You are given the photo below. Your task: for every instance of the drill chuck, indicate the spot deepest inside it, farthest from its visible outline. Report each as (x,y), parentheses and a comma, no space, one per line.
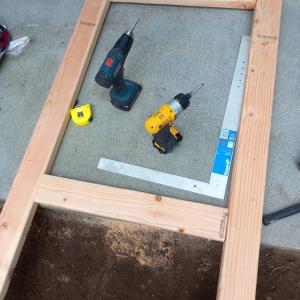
(180,102)
(183,100)
(123,45)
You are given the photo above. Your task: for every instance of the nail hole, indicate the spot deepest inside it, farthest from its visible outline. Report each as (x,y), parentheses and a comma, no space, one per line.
(181,230)
(157,198)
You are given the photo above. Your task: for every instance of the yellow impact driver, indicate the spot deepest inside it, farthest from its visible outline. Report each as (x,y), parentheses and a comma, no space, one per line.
(160,124)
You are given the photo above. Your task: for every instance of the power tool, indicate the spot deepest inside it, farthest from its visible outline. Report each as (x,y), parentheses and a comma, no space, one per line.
(160,124)
(124,92)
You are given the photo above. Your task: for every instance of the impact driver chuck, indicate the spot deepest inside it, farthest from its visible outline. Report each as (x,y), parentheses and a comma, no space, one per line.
(160,124)
(124,92)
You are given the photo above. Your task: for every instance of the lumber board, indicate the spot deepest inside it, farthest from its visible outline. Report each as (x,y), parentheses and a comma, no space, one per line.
(239,4)
(186,217)
(238,274)
(31,186)
(19,207)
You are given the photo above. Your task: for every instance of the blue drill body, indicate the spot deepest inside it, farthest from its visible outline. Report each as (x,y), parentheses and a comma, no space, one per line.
(124,92)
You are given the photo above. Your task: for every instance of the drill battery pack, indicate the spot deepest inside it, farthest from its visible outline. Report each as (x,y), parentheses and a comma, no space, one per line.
(166,139)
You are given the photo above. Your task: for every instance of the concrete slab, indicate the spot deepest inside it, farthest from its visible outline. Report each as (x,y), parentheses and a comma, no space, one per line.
(175,49)
(203,43)
(25,80)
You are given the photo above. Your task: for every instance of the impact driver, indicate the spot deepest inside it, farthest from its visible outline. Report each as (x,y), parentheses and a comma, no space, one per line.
(124,92)
(160,124)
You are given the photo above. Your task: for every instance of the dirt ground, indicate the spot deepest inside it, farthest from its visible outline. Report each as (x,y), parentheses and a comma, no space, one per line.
(70,256)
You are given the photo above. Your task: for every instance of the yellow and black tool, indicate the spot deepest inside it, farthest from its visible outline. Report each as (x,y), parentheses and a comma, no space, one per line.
(160,124)
(82,115)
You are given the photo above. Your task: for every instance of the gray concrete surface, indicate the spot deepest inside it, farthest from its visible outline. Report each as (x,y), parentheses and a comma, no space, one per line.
(25,80)
(175,49)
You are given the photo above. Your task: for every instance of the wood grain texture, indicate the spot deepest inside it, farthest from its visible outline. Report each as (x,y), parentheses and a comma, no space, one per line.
(177,215)
(238,273)
(19,207)
(240,4)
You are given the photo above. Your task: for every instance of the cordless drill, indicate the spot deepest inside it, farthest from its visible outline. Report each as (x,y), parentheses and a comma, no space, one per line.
(160,124)
(124,92)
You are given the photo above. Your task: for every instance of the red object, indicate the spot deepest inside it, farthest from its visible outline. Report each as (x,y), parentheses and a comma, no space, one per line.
(109,62)
(4,38)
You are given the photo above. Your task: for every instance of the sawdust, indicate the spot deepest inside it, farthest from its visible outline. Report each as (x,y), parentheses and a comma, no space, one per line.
(63,233)
(149,247)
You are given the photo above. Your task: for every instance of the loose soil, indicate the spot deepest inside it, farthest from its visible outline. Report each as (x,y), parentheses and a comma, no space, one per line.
(71,256)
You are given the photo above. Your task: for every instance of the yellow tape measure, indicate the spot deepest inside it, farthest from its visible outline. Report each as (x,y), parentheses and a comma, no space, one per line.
(82,115)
